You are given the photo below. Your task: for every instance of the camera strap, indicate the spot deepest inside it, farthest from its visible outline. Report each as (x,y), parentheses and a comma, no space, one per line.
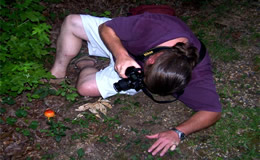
(202,51)
(152,51)
(178,94)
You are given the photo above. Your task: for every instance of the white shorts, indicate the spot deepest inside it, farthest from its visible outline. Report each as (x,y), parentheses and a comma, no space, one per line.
(107,77)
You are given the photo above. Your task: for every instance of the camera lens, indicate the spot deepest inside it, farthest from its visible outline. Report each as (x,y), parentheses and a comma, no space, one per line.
(122,85)
(134,80)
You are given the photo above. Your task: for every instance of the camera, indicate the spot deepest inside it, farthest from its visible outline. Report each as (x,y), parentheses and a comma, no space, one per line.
(134,80)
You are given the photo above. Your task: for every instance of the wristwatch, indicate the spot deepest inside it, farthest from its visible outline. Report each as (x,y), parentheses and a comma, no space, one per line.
(180,133)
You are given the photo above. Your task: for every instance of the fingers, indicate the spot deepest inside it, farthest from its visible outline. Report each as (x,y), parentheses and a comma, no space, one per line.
(155,145)
(153,136)
(163,147)
(166,141)
(121,71)
(173,147)
(122,65)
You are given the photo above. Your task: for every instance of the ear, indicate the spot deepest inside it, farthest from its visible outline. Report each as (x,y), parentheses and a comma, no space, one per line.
(152,59)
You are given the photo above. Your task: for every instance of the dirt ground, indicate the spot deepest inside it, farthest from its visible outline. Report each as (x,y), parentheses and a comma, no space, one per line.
(121,134)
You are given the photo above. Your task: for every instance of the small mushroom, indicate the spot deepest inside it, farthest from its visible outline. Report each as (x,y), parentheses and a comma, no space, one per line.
(49,113)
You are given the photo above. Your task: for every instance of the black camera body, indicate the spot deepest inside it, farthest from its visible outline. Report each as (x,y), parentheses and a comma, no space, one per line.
(134,80)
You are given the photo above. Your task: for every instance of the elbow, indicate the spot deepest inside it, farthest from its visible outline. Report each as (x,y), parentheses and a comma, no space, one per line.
(215,117)
(102,31)
(218,116)
(101,28)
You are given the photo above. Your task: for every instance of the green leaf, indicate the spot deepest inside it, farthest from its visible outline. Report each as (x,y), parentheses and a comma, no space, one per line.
(11,121)
(44,130)
(26,132)
(52,92)
(2,110)
(8,100)
(31,15)
(23,46)
(72,96)
(108,13)
(58,138)
(41,28)
(35,96)
(2,121)
(87,11)
(21,113)
(80,153)
(34,125)
(63,93)
(2,3)
(26,3)
(28,158)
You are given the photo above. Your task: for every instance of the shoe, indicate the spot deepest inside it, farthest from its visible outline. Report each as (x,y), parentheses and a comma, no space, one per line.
(83,58)
(57,80)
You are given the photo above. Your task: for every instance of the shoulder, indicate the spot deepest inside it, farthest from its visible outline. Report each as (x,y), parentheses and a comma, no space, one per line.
(201,98)
(201,93)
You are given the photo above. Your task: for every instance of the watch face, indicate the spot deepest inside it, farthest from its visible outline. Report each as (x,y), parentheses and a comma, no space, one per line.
(180,134)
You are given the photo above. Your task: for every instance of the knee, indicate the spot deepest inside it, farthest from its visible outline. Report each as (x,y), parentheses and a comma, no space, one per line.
(86,89)
(83,89)
(72,20)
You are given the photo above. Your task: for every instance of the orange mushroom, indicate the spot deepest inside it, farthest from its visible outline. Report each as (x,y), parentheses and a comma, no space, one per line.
(49,113)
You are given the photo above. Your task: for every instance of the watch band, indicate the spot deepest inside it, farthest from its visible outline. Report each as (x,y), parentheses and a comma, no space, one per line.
(180,133)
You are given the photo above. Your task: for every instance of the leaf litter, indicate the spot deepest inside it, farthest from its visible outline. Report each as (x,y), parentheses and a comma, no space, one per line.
(100,105)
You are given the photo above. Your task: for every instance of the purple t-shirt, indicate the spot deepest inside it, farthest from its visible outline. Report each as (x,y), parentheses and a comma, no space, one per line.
(142,32)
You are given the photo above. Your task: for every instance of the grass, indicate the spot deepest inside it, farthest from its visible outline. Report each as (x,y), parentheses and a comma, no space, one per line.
(236,135)
(130,106)
(222,51)
(238,131)
(256,62)
(217,46)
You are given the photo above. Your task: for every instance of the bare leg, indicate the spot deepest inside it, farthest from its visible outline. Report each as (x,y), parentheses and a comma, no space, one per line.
(87,85)
(68,44)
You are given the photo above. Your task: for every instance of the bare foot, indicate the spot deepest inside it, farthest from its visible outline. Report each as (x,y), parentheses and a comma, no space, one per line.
(57,73)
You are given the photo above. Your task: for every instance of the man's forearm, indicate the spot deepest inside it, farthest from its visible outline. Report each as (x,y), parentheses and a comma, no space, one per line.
(112,41)
(198,121)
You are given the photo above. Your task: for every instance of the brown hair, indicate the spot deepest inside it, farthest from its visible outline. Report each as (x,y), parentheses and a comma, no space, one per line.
(172,70)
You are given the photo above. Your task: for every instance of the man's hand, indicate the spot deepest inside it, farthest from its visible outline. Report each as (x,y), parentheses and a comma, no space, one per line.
(170,140)
(165,141)
(123,63)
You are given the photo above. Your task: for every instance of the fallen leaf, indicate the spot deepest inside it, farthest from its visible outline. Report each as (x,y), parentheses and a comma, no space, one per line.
(96,107)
